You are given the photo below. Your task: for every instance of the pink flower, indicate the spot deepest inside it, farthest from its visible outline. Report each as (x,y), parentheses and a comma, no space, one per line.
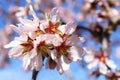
(25,48)
(31,27)
(67,52)
(99,59)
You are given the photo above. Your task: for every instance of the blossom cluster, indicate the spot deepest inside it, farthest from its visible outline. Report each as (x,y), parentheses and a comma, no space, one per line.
(45,38)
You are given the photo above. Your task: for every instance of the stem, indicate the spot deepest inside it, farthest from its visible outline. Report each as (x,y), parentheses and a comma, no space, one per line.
(34,75)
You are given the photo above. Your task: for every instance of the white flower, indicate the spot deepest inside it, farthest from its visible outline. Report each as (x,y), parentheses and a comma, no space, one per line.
(100,60)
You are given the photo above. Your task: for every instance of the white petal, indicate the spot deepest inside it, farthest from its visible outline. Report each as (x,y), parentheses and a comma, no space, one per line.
(32,53)
(22,38)
(16,52)
(26,62)
(73,40)
(54,15)
(40,38)
(89,57)
(32,12)
(53,54)
(56,40)
(75,53)
(70,27)
(29,24)
(93,64)
(12,44)
(43,25)
(103,68)
(88,50)
(38,62)
(62,28)
(63,64)
(17,29)
(110,63)
(59,68)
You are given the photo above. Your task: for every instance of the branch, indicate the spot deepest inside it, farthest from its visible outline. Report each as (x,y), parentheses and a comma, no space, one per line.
(34,75)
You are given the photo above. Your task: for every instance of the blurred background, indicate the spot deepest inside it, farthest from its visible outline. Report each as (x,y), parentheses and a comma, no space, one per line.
(98,22)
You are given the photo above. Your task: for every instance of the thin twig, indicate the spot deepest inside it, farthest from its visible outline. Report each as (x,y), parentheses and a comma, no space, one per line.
(34,75)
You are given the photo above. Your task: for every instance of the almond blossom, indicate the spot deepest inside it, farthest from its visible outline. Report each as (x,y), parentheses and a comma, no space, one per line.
(48,38)
(67,52)
(100,60)
(69,49)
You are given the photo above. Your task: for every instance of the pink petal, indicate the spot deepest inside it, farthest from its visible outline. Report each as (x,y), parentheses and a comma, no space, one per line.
(16,52)
(63,64)
(111,64)
(53,54)
(37,62)
(12,44)
(89,57)
(75,53)
(70,27)
(26,62)
(62,28)
(103,68)
(17,29)
(93,64)
(56,40)
(33,12)
(73,40)
(54,15)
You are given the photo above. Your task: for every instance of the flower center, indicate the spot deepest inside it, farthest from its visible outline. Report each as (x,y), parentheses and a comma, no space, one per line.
(28,45)
(42,48)
(62,49)
(101,57)
(53,28)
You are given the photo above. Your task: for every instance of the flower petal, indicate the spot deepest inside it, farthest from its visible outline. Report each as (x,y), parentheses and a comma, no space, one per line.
(32,12)
(110,63)
(63,64)
(17,29)
(70,27)
(12,44)
(37,62)
(73,40)
(93,64)
(89,57)
(54,15)
(103,68)
(53,54)
(16,52)
(75,53)
(26,62)
(56,40)
(62,28)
